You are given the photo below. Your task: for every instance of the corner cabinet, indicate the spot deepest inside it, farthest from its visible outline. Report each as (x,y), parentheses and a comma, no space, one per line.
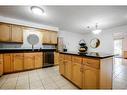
(11,33)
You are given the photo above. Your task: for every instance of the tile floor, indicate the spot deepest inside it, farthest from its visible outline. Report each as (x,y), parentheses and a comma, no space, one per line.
(46,78)
(49,78)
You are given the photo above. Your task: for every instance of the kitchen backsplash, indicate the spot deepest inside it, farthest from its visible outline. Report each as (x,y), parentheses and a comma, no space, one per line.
(13,45)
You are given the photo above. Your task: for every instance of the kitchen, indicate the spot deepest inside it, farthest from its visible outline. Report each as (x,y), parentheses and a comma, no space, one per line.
(49,48)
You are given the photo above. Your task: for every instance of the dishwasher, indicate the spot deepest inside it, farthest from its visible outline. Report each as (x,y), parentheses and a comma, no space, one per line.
(48,58)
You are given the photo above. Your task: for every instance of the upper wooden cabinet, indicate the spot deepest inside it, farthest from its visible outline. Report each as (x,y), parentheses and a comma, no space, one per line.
(11,33)
(17,34)
(53,36)
(5,32)
(49,37)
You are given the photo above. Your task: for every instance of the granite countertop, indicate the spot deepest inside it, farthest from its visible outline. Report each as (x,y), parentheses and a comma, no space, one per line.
(16,50)
(99,55)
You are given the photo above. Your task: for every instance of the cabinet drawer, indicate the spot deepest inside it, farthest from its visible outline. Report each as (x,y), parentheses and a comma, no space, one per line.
(92,62)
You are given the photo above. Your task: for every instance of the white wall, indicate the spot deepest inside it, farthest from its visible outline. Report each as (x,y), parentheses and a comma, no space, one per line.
(71,39)
(106,39)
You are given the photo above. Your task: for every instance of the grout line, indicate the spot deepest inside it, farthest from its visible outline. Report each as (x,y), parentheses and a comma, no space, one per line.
(17,81)
(40,80)
(29,80)
(4,81)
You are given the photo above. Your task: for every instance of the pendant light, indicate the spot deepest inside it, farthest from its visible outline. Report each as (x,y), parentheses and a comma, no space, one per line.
(96,31)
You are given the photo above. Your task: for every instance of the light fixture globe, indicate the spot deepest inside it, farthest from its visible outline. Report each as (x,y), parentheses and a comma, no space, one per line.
(37,10)
(97,31)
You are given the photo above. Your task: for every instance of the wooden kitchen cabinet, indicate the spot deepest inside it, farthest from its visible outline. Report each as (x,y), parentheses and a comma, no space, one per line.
(77,71)
(8,65)
(56,58)
(17,34)
(90,77)
(17,60)
(38,60)
(68,66)
(61,64)
(49,37)
(53,36)
(46,37)
(1,64)
(5,32)
(29,61)
(125,54)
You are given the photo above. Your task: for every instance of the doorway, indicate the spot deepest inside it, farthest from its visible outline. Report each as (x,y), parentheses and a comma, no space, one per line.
(118,47)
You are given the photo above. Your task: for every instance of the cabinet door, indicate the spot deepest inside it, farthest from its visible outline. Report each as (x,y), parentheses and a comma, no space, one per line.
(8,66)
(29,61)
(18,61)
(68,67)
(53,36)
(61,64)
(77,71)
(90,78)
(17,34)
(38,60)
(46,37)
(5,32)
(1,64)
(56,58)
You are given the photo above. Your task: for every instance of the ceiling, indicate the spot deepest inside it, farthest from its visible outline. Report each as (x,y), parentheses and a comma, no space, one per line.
(71,18)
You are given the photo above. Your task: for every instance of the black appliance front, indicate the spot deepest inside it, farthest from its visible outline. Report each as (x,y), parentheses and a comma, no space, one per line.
(48,58)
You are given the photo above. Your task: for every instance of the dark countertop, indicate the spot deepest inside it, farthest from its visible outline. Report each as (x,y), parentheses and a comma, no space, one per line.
(20,50)
(90,54)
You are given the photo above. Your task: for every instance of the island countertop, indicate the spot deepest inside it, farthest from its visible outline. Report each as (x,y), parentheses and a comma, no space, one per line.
(99,55)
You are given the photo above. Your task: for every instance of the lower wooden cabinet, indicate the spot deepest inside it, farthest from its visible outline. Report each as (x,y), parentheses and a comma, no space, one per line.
(125,54)
(90,77)
(61,64)
(68,67)
(56,58)
(29,60)
(1,64)
(77,71)
(17,61)
(8,65)
(38,60)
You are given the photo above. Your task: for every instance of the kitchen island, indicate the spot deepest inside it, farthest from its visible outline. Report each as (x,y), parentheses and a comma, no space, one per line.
(87,71)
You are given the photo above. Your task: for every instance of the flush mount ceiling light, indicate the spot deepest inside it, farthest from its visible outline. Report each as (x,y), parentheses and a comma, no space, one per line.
(37,10)
(97,31)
